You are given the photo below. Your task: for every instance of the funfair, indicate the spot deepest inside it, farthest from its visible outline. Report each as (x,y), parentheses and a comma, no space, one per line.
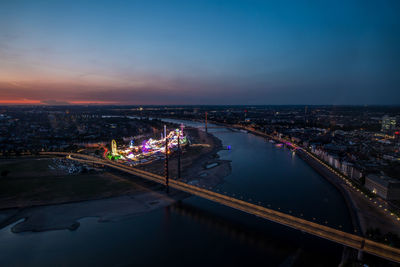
(150,149)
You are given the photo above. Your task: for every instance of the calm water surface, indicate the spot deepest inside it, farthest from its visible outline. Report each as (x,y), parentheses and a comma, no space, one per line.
(199,232)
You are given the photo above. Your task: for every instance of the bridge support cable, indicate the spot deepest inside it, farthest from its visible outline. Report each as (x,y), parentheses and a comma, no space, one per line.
(166,164)
(179,155)
(357,242)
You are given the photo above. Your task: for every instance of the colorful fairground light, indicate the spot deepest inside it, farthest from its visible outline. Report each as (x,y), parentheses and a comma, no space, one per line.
(114,151)
(148,150)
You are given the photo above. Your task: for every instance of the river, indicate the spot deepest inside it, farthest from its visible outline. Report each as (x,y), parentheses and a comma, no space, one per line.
(199,232)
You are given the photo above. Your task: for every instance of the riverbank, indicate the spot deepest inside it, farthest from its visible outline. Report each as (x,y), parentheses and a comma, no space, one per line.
(200,164)
(61,207)
(365,214)
(43,181)
(354,211)
(67,216)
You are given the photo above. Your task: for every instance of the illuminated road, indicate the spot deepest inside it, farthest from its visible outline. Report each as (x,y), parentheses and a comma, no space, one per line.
(350,240)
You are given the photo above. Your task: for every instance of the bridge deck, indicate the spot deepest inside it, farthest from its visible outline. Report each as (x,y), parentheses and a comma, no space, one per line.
(322,231)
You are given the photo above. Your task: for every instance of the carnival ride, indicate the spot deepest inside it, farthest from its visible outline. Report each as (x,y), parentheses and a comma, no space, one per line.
(148,150)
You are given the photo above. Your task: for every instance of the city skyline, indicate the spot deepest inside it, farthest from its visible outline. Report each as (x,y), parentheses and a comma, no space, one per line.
(209,133)
(189,52)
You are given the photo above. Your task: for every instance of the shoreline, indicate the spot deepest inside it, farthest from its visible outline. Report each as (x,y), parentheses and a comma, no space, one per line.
(364,215)
(357,219)
(201,153)
(67,216)
(197,173)
(205,158)
(352,208)
(36,216)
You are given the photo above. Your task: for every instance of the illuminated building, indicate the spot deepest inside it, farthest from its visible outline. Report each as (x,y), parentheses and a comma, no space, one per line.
(383,186)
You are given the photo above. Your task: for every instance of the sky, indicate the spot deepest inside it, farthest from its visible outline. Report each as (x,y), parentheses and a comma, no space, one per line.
(199,52)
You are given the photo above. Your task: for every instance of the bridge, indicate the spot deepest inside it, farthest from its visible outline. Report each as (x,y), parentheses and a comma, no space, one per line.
(322,231)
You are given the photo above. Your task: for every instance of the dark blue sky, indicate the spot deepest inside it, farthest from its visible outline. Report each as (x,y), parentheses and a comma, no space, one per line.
(200,52)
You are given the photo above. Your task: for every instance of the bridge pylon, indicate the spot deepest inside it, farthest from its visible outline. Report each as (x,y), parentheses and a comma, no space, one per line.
(179,155)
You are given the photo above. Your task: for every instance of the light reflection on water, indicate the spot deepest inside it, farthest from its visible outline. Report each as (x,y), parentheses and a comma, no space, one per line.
(199,229)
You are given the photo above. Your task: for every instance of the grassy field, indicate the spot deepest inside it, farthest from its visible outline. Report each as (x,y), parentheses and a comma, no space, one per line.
(21,167)
(32,182)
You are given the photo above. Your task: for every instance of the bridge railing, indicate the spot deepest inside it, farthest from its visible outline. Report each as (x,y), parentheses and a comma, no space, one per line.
(322,231)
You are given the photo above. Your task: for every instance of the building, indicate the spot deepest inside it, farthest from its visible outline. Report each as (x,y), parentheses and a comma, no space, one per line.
(388,123)
(383,186)
(347,168)
(356,174)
